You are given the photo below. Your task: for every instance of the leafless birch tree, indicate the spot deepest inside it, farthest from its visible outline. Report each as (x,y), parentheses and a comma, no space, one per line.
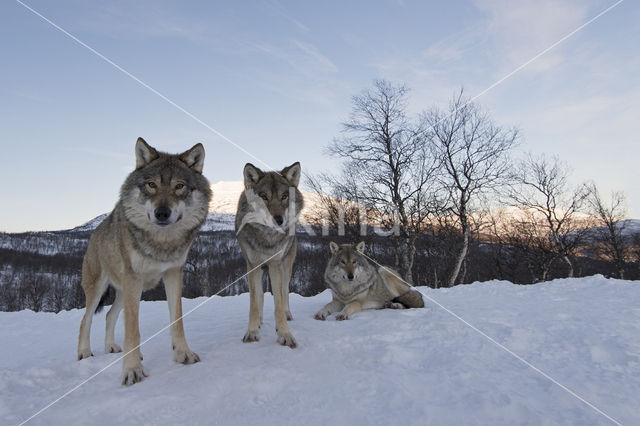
(553,206)
(473,153)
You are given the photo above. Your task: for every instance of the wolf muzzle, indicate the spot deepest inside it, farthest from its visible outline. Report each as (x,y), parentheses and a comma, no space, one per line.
(162,214)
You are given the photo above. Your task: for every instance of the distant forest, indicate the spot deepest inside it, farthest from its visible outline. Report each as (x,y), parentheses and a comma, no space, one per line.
(36,276)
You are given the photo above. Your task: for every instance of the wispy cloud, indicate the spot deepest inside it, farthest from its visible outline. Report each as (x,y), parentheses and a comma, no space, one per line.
(456,46)
(519,30)
(281,11)
(314,58)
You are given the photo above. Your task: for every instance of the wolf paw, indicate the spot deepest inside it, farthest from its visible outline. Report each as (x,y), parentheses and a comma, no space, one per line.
(251,336)
(286,339)
(112,348)
(289,316)
(394,305)
(133,375)
(342,316)
(321,315)
(84,353)
(185,356)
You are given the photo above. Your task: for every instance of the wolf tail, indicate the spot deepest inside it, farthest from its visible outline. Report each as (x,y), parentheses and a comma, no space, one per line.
(411,299)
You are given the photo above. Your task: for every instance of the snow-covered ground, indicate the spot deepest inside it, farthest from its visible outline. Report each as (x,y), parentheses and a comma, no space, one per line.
(417,367)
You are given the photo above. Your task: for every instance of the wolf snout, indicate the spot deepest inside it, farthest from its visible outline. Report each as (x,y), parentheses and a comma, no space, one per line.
(162,214)
(350,276)
(279,219)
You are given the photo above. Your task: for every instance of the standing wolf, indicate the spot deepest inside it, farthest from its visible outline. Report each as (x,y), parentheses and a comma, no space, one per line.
(268,211)
(357,285)
(147,236)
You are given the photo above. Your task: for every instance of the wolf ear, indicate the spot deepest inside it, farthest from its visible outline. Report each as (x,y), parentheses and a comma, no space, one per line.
(334,247)
(252,175)
(360,247)
(194,158)
(292,173)
(144,153)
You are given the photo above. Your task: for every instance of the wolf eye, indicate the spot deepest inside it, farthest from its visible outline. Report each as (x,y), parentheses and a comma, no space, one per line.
(342,262)
(179,186)
(263,196)
(152,185)
(285,196)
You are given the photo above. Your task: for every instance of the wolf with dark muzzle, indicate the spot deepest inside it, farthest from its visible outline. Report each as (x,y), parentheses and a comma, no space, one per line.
(266,219)
(147,236)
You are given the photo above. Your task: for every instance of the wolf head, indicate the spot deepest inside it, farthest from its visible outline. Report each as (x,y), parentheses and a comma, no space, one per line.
(273,198)
(166,190)
(348,263)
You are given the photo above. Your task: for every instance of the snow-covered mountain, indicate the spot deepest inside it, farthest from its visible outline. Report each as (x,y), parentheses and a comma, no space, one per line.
(414,367)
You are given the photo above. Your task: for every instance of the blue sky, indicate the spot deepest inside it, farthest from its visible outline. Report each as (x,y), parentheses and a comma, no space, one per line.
(277,77)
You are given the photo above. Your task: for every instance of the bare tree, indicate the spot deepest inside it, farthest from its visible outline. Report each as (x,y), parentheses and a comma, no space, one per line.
(551,207)
(611,231)
(34,291)
(473,152)
(58,295)
(9,297)
(389,167)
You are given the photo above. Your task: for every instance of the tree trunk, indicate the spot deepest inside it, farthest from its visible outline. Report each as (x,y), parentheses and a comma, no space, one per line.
(461,256)
(569,264)
(407,255)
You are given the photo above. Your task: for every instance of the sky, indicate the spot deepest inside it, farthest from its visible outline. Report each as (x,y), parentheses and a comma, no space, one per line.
(276,79)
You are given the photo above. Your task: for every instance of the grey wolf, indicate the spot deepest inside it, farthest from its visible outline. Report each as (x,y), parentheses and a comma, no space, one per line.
(357,285)
(268,211)
(147,236)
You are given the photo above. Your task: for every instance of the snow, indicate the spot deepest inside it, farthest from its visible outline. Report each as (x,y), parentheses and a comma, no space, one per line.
(419,366)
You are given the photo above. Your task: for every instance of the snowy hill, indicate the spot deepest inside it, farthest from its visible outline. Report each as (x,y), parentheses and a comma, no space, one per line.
(421,366)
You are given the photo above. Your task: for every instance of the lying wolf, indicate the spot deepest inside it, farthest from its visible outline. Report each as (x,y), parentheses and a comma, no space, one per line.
(357,285)
(147,236)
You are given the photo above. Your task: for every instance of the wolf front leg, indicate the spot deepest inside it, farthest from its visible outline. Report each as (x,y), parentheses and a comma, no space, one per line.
(173,287)
(132,371)
(256,299)
(276,275)
(350,309)
(329,308)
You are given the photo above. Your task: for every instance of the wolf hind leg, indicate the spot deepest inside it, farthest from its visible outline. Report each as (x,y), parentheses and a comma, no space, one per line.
(110,345)
(288,272)
(93,286)
(410,299)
